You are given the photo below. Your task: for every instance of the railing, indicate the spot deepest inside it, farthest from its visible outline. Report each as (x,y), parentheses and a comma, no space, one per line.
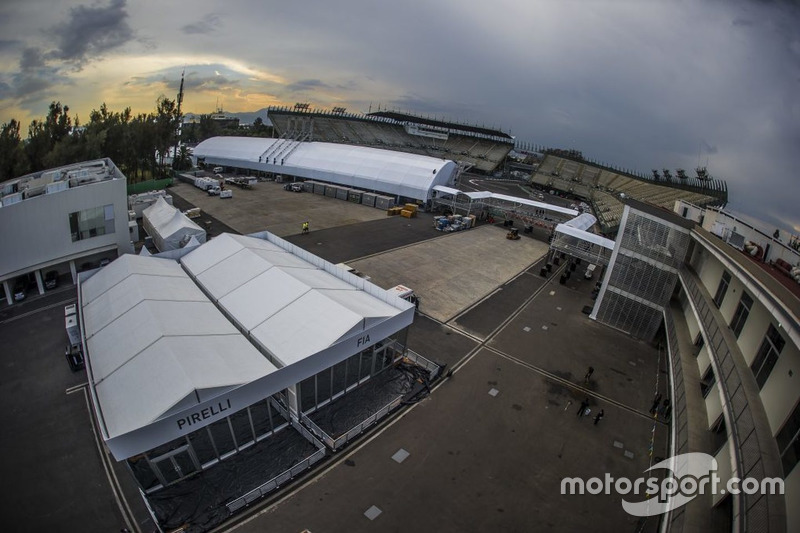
(276,482)
(751,512)
(150,510)
(432,368)
(335,444)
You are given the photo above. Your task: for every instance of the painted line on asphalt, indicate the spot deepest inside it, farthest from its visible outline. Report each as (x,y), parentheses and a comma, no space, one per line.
(77,388)
(37,310)
(572,385)
(119,497)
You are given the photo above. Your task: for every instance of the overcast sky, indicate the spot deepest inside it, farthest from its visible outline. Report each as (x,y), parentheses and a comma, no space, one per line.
(637,83)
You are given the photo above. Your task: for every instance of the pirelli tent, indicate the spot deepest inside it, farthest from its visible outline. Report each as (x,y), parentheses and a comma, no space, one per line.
(174,346)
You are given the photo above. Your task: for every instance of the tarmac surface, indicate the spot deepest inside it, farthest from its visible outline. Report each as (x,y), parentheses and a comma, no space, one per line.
(477,461)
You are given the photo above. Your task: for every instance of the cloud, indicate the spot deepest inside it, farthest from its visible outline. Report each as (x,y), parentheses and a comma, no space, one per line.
(90,31)
(32,58)
(207,24)
(307,85)
(9,44)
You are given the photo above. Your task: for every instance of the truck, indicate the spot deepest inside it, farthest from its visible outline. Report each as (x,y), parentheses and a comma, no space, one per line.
(74,349)
(406,294)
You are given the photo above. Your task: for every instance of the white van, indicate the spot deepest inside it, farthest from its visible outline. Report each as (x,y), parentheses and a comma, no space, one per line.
(218,170)
(589,274)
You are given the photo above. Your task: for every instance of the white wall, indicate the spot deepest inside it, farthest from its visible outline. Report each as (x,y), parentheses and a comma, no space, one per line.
(724,464)
(781,392)
(36,231)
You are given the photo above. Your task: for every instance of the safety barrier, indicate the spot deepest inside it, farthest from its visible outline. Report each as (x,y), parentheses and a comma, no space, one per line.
(280,479)
(432,368)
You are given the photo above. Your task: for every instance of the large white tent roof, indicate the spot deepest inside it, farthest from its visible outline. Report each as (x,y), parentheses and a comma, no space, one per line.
(155,344)
(361,167)
(291,307)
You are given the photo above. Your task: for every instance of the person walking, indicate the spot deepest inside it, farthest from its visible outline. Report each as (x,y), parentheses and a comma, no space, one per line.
(588,375)
(665,409)
(305,228)
(656,401)
(598,417)
(582,408)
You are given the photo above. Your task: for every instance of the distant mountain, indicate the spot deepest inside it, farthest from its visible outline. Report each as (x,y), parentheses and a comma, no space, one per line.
(245,117)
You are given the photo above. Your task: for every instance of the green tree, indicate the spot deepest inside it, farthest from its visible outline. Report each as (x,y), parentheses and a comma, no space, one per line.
(13,160)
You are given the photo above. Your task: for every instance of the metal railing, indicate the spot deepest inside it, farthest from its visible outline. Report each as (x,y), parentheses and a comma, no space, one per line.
(276,481)
(336,443)
(432,368)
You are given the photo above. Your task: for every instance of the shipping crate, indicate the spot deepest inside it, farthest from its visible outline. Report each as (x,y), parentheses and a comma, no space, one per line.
(354,196)
(368,199)
(342,193)
(308,186)
(331,191)
(411,207)
(383,202)
(319,188)
(407,213)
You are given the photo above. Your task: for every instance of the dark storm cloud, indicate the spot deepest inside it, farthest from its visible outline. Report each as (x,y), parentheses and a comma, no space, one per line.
(32,58)
(207,24)
(9,44)
(89,31)
(307,85)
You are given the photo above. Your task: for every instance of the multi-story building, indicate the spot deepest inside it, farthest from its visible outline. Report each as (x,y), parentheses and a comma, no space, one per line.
(730,314)
(60,220)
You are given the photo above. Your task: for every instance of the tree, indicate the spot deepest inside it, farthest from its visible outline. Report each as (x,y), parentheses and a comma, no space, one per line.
(166,122)
(13,160)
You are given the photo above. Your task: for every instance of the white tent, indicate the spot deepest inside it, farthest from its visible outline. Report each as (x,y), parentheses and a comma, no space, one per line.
(371,169)
(155,344)
(169,228)
(290,307)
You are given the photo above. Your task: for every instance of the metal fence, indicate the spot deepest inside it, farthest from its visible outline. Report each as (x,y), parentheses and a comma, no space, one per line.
(284,476)
(336,443)
(150,185)
(432,368)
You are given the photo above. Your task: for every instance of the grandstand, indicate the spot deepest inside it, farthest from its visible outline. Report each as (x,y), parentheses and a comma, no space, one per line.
(601,186)
(473,147)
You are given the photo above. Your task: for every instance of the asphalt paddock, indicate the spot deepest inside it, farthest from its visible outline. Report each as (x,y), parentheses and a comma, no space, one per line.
(477,461)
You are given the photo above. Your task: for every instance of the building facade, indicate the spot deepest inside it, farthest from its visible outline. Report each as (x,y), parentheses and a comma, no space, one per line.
(62,219)
(731,324)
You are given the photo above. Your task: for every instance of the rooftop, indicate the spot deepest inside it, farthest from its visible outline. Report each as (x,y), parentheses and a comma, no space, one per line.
(56,180)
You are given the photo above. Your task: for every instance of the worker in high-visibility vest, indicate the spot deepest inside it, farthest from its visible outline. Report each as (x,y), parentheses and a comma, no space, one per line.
(305,228)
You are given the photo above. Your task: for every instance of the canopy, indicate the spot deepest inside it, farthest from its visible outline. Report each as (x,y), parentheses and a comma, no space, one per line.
(156,345)
(169,228)
(372,169)
(289,306)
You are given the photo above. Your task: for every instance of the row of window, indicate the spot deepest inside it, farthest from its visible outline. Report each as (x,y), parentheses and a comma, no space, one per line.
(91,222)
(765,360)
(199,449)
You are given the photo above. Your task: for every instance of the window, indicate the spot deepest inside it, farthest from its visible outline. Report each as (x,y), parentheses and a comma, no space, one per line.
(91,222)
(767,355)
(719,434)
(699,342)
(741,314)
(788,440)
(708,381)
(722,288)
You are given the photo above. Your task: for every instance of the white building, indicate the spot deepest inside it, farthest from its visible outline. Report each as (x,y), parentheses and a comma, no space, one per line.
(397,174)
(731,319)
(60,219)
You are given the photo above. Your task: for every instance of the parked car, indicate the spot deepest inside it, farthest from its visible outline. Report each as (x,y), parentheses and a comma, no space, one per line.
(20,290)
(213,191)
(51,280)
